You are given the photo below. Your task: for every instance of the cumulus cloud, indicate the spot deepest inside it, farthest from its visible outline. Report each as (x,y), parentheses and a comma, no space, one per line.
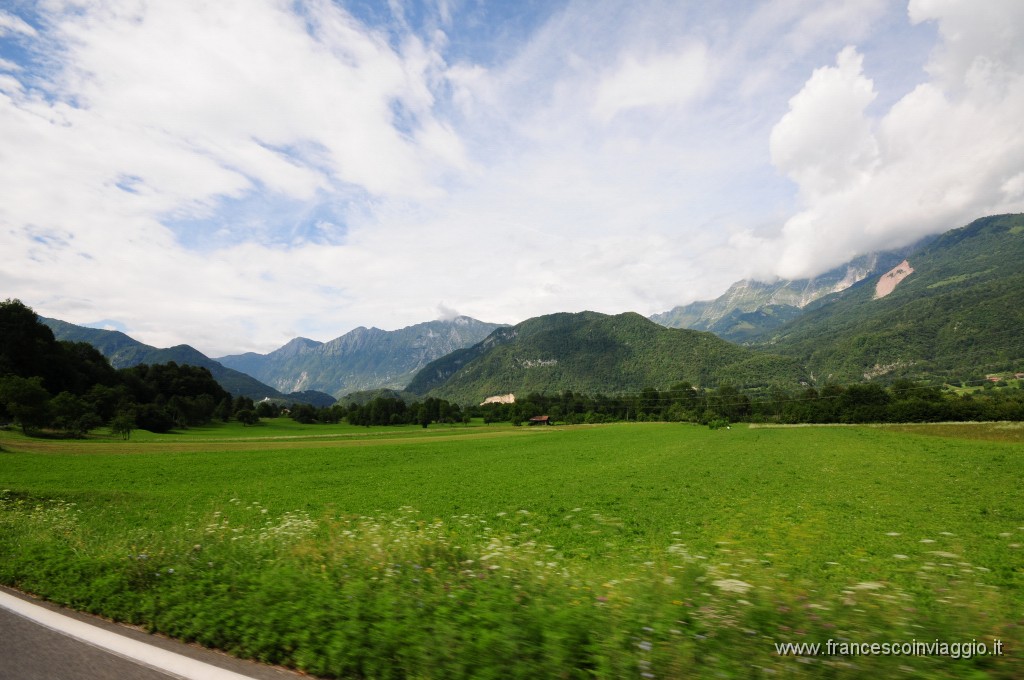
(825,141)
(946,152)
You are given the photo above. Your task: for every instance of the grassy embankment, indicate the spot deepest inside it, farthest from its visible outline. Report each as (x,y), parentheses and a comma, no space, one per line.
(631,549)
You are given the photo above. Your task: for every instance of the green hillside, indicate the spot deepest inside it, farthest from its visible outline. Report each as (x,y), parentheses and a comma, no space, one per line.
(595,353)
(957,317)
(753,308)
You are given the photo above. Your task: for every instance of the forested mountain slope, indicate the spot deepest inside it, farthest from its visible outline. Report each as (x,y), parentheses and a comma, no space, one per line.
(752,308)
(596,353)
(958,316)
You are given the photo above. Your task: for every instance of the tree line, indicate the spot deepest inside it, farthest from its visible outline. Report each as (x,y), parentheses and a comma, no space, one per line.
(903,401)
(71,388)
(377,411)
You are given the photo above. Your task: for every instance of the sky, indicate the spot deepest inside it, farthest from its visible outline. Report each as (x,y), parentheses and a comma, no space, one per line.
(234,174)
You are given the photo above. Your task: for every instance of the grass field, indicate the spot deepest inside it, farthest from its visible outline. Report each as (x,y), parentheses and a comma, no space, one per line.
(618,550)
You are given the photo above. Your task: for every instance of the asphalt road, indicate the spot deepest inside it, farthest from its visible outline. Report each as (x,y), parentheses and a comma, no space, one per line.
(30,650)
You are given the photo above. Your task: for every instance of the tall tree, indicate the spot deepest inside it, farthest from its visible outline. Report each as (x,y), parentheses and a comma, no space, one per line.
(26,400)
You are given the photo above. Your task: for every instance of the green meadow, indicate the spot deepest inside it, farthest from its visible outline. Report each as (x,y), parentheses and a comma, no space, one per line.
(625,550)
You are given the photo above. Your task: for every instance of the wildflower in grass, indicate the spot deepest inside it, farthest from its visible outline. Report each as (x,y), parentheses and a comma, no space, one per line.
(869,585)
(732,585)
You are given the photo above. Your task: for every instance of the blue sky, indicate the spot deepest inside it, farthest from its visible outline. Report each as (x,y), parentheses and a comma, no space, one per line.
(238,173)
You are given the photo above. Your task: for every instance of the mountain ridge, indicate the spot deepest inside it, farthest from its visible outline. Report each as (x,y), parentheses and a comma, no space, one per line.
(956,316)
(749,308)
(123,351)
(361,359)
(592,353)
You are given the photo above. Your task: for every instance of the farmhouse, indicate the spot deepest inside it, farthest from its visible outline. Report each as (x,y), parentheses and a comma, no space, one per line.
(540,420)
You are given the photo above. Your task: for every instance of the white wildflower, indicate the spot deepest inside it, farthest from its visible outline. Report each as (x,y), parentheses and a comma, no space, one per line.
(732,585)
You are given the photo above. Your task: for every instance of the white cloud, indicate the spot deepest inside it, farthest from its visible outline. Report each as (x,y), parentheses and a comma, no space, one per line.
(233,174)
(981,41)
(945,153)
(446,313)
(14,24)
(825,141)
(661,80)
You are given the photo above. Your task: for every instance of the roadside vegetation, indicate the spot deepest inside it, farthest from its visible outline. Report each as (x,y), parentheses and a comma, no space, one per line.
(651,550)
(424,539)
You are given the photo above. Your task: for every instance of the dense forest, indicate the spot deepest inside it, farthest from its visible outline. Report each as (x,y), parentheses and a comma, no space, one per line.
(383,410)
(903,401)
(70,388)
(595,353)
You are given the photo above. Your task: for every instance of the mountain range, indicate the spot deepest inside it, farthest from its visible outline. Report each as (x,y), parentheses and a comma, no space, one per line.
(949,308)
(955,314)
(952,310)
(362,359)
(123,351)
(302,370)
(749,309)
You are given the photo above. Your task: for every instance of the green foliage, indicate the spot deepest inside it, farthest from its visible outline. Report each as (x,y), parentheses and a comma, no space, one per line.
(596,354)
(70,387)
(247,417)
(26,346)
(532,553)
(122,425)
(394,411)
(957,317)
(73,415)
(25,400)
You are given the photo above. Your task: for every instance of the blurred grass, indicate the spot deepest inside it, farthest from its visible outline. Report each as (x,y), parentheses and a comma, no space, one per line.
(659,511)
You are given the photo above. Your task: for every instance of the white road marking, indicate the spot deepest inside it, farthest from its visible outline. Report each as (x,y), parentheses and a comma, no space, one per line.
(139,652)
